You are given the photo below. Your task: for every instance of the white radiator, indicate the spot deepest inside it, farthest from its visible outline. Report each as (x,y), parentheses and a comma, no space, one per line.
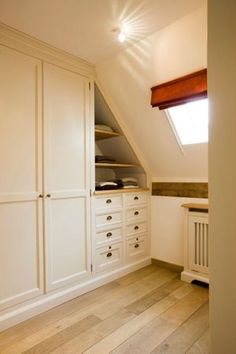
(198,243)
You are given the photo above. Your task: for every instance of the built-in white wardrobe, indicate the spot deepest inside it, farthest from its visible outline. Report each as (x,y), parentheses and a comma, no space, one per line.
(50,244)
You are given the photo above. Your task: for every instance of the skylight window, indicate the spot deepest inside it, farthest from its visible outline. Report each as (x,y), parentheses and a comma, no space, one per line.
(190,122)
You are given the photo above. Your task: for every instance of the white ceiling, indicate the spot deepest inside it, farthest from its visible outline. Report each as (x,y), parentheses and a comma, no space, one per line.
(84,27)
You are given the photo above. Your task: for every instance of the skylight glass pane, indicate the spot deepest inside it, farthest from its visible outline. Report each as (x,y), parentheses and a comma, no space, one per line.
(191,121)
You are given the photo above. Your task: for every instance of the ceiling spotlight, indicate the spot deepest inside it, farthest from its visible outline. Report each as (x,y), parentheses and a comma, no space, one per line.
(121,34)
(121,37)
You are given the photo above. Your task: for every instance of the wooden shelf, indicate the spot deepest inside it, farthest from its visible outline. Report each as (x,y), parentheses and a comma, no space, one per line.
(121,190)
(104,134)
(114,165)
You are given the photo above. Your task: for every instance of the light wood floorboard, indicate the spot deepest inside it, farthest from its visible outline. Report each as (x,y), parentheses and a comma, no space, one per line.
(147,311)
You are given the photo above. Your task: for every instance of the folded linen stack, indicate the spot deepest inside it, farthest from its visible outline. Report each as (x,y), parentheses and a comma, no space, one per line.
(129,182)
(123,183)
(106,185)
(103,127)
(104,159)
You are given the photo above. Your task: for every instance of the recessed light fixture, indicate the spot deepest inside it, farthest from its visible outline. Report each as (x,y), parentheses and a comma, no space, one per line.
(121,35)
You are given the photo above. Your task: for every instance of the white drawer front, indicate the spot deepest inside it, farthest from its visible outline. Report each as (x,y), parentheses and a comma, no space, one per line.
(108,202)
(136,214)
(109,235)
(108,257)
(136,247)
(135,198)
(108,218)
(136,228)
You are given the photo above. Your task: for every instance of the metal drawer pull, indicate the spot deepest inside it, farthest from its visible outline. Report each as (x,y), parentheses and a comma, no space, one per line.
(136,198)
(136,227)
(108,201)
(109,217)
(136,246)
(109,254)
(109,234)
(136,213)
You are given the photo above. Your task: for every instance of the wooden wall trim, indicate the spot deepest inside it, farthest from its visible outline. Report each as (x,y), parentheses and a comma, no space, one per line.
(178,189)
(179,91)
(174,267)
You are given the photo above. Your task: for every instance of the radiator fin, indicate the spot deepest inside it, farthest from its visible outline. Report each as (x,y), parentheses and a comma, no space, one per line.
(201,246)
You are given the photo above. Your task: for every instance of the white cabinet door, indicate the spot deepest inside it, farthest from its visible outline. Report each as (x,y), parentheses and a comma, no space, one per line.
(20,178)
(66,172)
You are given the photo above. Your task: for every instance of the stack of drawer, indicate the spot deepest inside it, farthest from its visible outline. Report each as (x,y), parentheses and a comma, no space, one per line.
(109,232)
(136,225)
(121,229)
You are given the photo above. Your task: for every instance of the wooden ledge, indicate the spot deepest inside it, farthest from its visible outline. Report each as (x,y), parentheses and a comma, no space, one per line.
(119,191)
(195,206)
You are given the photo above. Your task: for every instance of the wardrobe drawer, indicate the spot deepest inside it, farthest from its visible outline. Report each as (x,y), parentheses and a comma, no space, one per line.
(108,257)
(136,228)
(109,235)
(136,214)
(108,218)
(108,202)
(135,198)
(136,247)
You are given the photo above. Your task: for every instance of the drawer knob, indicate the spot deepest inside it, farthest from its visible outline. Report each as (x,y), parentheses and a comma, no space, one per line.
(109,247)
(108,201)
(109,217)
(136,245)
(136,198)
(136,213)
(109,254)
(109,234)
(136,238)
(136,227)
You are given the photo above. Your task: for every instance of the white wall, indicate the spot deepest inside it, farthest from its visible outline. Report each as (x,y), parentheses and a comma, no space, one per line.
(126,79)
(222,171)
(167,236)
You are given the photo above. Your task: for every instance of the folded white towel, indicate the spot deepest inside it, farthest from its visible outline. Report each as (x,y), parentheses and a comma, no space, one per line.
(103,127)
(129,179)
(102,184)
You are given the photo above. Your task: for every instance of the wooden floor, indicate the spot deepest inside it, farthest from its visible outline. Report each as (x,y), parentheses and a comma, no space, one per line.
(148,311)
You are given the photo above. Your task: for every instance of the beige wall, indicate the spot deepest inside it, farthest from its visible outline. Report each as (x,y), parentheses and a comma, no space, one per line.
(222,171)
(167,238)
(127,77)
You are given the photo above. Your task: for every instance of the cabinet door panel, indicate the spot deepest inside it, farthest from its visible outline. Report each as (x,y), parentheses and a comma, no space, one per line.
(20,264)
(18,124)
(20,178)
(66,103)
(65,129)
(68,241)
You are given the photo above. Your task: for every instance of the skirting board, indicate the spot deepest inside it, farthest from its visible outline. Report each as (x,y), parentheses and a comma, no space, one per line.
(26,311)
(189,276)
(171,266)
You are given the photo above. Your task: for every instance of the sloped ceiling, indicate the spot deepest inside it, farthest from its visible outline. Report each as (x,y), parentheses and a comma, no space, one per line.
(84,27)
(176,50)
(175,46)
